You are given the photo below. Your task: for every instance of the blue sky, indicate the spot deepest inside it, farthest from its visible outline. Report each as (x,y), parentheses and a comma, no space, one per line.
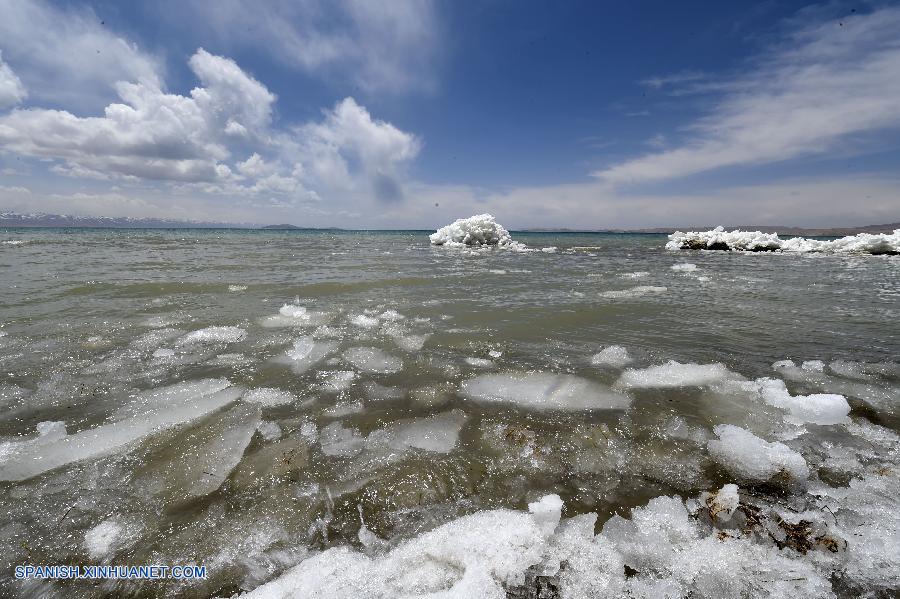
(413,113)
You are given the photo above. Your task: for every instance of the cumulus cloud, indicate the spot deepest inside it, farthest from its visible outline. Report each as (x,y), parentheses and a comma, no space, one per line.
(380,46)
(67,56)
(818,88)
(12,91)
(150,134)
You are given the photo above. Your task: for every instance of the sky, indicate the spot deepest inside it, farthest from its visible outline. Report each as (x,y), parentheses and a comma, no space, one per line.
(413,113)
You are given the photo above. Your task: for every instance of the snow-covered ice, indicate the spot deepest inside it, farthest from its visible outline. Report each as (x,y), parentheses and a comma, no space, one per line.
(750,458)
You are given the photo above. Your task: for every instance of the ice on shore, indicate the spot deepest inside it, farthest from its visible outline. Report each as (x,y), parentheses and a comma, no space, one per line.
(756,241)
(224,334)
(372,360)
(615,356)
(752,459)
(674,374)
(479,230)
(543,391)
(156,411)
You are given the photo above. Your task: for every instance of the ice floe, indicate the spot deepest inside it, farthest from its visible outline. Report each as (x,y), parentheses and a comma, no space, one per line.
(639,291)
(218,334)
(756,241)
(295,315)
(752,459)
(269,396)
(372,360)
(675,374)
(306,352)
(543,391)
(613,355)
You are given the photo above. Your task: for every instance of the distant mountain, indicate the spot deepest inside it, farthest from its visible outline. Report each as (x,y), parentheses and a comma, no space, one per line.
(781,230)
(13,219)
(281,227)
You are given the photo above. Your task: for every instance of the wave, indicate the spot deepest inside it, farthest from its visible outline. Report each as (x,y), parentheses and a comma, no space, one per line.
(757,241)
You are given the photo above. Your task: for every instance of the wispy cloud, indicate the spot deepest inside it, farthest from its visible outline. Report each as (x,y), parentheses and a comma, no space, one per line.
(820,86)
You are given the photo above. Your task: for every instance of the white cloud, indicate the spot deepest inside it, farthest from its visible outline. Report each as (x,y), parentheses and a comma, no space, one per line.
(12,91)
(821,86)
(151,134)
(380,46)
(66,56)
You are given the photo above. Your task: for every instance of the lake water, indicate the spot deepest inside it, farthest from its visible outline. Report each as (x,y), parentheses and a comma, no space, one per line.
(323,380)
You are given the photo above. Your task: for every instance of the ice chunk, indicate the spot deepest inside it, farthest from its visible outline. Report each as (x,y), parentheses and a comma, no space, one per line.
(306,352)
(684,267)
(723,503)
(270,431)
(338,380)
(214,335)
(164,353)
(335,440)
(373,360)
(438,433)
(410,343)
(479,362)
(364,321)
(269,396)
(640,274)
(639,291)
(293,315)
(750,458)
(675,374)
(189,402)
(391,316)
(102,539)
(479,230)
(543,391)
(756,241)
(547,512)
(237,288)
(818,408)
(377,392)
(614,355)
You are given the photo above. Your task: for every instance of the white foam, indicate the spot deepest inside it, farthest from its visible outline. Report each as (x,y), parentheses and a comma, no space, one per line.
(614,355)
(750,458)
(372,360)
(674,374)
(391,316)
(269,396)
(756,241)
(543,391)
(210,335)
(478,230)
(100,540)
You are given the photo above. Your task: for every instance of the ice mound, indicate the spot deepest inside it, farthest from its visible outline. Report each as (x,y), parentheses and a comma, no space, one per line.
(614,355)
(159,410)
(639,291)
(372,360)
(479,230)
(269,396)
(474,556)
(543,391)
(674,374)
(306,352)
(214,335)
(756,241)
(752,459)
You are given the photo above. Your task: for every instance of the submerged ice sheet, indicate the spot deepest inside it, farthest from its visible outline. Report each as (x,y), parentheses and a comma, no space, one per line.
(756,241)
(543,391)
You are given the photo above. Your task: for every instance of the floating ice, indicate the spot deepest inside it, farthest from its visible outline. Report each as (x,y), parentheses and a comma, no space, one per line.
(102,539)
(163,353)
(750,458)
(269,396)
(639,291)
(756,241)
(364,321)
(818,408)
(306,352)
(635,275)
(438,433)
(543,391)
(214,335)
(294,315)
(372,360)
(338,380)
(479,362)
(479,230)
(270,431)
(237,288)
(675,374)
(410,343)
(723,503)
(614,355)
(378,392)
(391,316)
(186,401)
(684,267)
(335,440)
